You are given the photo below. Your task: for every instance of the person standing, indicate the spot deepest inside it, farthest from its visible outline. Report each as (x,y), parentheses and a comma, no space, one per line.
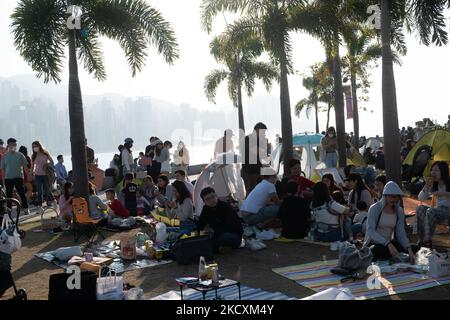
(27,176)
(12,165)
(61,172)
(448,122)
(127,157)
(330,146)
(255,151)
(161,155)
(181,158)
(2,151)
(165,163)
(224,144)
(41,159)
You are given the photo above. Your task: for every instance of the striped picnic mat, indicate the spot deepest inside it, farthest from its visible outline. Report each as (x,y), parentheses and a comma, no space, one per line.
(317,276)
(230,293)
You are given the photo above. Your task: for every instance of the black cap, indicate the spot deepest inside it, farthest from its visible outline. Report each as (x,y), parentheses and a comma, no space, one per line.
(11,140)
(260,126)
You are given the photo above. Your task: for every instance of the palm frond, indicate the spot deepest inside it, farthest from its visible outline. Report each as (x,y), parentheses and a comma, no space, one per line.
(40,32)
(303,104)
(212,82)
(429,20)
(90,53)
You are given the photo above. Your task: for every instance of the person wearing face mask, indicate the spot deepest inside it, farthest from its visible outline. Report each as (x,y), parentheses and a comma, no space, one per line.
(12,165)
(330,146)
(386,235)
(41,159)
(61,172)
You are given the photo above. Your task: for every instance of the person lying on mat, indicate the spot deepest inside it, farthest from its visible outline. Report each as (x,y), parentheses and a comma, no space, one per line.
(182,208)
(262,203)
(222,219)
(386,235)
(294,214)
(437,185)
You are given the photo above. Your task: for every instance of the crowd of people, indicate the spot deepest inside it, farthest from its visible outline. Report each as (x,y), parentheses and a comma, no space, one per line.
(365,206)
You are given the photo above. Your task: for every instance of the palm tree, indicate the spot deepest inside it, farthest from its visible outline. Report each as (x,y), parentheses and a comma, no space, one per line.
(241,70)
(328,20)
(320,86)
(361,53)
(425,17)
(41,33)
(266,19)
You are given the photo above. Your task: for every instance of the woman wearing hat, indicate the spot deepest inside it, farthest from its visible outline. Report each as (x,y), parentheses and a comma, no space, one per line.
(127,157)
(386,234)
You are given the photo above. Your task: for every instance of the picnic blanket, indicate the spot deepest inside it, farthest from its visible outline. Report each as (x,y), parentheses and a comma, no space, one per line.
(317,276)
(230,293)
(109,249)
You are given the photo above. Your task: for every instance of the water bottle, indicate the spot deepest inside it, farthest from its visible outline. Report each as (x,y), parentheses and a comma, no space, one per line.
(202,274)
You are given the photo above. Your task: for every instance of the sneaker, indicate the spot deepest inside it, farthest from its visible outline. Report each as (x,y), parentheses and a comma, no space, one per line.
(40,210)
(334,246)
(265,235)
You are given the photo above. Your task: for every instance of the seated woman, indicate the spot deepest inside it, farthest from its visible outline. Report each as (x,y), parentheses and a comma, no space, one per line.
(149,190)
(386,235)
(182,208)
(65,203)
(380,182)
(294,214)
(165,192)
(295,174)
(328,179)
(359,192)
(97,209)
(437,185)
(222,219)
(332,223)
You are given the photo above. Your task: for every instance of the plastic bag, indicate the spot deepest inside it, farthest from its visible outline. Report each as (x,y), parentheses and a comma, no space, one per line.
(9,237)
(439,264)
(423,256)
(110,288)
(66,253)
(161,232)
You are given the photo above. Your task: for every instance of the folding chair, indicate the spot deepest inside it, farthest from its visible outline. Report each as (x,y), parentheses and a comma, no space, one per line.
(83,222)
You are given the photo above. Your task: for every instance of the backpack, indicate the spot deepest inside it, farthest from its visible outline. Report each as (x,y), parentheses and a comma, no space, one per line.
(352,259)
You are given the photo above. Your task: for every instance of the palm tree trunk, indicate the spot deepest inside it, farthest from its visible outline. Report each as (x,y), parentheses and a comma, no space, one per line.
(241,121)
(328,116)
(316,109)
(390,114)
(285,108)
(339,108)
(355,110)
(76,119)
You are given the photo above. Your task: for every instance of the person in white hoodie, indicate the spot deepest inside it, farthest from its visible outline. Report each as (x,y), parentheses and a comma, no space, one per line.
(181,158)
(386,234)
(438,185)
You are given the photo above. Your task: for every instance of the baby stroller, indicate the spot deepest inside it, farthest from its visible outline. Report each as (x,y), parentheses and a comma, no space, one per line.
(6,279)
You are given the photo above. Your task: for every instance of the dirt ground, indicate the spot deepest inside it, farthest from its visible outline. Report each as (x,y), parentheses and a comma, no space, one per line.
(33,274)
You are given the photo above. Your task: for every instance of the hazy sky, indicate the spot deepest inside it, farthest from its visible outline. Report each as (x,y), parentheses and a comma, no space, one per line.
(422,81)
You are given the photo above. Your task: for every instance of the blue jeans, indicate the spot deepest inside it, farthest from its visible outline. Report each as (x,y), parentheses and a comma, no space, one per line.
(43,189)
(227,239)
(186,227)
(331,236)
(263,215)
(331,160)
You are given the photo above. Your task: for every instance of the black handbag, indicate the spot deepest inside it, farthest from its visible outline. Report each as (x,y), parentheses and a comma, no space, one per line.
(189,250)
(59,291)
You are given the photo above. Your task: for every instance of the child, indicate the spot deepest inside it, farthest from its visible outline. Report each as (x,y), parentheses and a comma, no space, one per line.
(360,220)
(294,214)
(345,221)
(129,191)
(115,207)
(65,203)
(142,204)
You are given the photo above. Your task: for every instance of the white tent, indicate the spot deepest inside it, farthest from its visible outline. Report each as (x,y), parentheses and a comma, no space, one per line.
(224,176)
(306,149)
(373,143)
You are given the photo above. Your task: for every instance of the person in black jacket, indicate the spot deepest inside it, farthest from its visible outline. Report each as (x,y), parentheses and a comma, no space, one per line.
(221,217)
(294,214)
